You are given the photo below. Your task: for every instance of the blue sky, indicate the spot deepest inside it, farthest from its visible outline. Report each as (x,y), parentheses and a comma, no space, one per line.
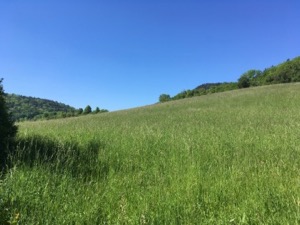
(123,54)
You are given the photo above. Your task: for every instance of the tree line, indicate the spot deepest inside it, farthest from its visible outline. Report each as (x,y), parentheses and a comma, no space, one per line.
(286,72)
(29,108)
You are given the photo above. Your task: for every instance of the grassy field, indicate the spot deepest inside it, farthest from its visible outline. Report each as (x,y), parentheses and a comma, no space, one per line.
(226,158)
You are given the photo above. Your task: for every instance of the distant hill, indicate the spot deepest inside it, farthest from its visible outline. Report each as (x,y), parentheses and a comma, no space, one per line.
(286,72)
(30,108)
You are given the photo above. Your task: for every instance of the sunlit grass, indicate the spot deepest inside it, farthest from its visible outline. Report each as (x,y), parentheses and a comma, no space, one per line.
(227,158)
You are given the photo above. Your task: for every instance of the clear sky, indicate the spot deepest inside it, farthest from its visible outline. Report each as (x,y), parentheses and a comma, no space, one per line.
(121,54)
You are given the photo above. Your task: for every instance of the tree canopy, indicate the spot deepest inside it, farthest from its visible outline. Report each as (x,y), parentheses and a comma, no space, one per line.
(7,128)
(286,72)
(87,110)
(31,108)
(164,98)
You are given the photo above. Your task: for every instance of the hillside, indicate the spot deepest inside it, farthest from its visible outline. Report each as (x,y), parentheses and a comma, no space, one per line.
(224,158)
(286,72)
(28,108)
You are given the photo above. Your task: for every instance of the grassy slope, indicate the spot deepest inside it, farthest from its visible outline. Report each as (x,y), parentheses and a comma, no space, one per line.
(227,158)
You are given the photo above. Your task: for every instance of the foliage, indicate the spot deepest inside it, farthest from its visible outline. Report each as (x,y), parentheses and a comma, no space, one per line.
(283,73)
(244,82)
(87,110)
(249,79)
(164,98)
(97,110)
(286,72)
(30,108)
(80,111)
(7,128)
(205,89)
(228,158)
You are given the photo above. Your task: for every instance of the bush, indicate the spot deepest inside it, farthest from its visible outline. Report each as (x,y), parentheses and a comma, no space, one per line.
(7,128)
(164,98)
(243,82)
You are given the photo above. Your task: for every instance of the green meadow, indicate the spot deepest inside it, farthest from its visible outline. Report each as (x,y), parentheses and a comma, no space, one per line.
(224,158)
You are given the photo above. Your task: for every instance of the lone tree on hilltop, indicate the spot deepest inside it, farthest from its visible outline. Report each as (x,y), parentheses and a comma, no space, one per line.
(7,128)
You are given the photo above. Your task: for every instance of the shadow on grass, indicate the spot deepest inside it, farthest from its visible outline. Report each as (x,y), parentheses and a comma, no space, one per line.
(79,161)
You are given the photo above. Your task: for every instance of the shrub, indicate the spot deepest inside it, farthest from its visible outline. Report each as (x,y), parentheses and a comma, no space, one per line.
(164,98)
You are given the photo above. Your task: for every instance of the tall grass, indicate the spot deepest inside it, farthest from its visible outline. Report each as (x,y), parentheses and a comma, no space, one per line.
(227,158)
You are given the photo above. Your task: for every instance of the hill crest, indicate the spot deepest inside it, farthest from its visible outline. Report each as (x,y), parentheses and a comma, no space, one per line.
(32,108)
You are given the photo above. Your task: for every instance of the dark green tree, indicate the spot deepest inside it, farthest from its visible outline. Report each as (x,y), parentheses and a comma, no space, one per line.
(97,110)
(80,111)
(250,78)
(87,110)
(164,98)
(243,82)
(7,128)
